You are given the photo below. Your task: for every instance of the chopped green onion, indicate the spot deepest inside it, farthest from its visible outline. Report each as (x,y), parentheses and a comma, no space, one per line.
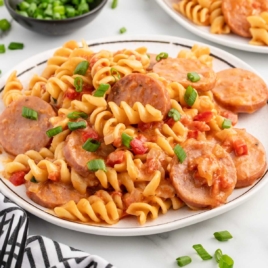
(77,125)
(193,77)
(174,114)
(2,48)
(78,84)
(82,8)
(4,25)
(69,11)
(54,131)
(116,75)
(114,4)
(31,9)
(1,2)
(59,9)
(29,113)
(91,145)
(126,139)
(227,123)
(190,96)
(202,252)
(122,30)
(226,262)
(101,90)
(76,115)
(33,179)
(218,255)
(14,46)
(223,236)
(184,260)
(81,68)
(180,153)
(23,6)
(96,164)
(162,55)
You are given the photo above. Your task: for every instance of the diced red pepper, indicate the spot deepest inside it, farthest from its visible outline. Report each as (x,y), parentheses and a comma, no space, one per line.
(240,147)
(114,158)
(17,178)
(89,133)
(204,116)
(170,121)
(137,147)
(192,134)
(55,176)
(71,94)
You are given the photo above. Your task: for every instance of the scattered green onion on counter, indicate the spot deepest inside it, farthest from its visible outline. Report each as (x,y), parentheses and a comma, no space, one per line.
(29,113)
(223,236)
(204,255)
(183,261)
(1,3)
(180,153)
(122,30)
(2,48)
(96,164)
(218,255)
(54,131)
(4,25)
(15,46)
(114,4)
(226,262)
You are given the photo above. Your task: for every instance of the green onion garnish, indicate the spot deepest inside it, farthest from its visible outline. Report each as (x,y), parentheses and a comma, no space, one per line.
(202,252)
(4,25)
(218,255)
(29,113)
(122,30)
(116,75)
(162,55)
(81,68)
(33,179)
(114,4)
(96,164)
(76,115)
(193,77)
(54,131)
(14,46)
(101,90)
(180,153)
(77,125)
(78,84)
(126,139)
(226,262)
(223,236)
(91,145)
(190,96)
(2,48)
(174,114)
(227,123)
(184,260)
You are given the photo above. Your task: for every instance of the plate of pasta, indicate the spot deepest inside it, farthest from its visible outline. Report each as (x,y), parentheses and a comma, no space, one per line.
(132,136)
(224,23)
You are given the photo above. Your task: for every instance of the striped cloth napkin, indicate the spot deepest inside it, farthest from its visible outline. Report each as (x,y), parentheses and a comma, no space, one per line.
(40,251)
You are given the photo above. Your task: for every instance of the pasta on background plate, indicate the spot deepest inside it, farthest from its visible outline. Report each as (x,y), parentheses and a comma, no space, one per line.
(109,134)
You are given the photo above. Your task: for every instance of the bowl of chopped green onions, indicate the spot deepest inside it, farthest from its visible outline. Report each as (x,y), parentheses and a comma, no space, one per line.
(54,17)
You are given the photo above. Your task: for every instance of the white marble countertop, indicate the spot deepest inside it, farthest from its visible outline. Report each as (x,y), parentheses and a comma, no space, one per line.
(248,223)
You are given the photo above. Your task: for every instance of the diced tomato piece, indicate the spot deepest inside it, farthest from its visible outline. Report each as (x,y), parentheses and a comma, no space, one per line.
(141,138)
(145,126)
(71,94)
(205,116)
(89,133)
(55,176)
(170,121)
(192,134)
(240,147)
(114,158)
(138,147)
(17,178)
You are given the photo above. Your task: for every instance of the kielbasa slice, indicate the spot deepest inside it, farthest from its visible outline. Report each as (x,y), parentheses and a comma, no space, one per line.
(252,165)
(19,134)
(141,88)
(240,91)
(206,177)
(236,12)
(77,157)
(176,70)
(52,194)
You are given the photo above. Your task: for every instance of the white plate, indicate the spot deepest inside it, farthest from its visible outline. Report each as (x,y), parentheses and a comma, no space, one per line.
(256,124)
(229,40)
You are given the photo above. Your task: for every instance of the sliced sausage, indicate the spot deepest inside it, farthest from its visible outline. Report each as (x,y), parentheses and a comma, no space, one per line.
(19,134)
(77,157)
(250,166)
(206,177)
(240,91)
(176,70)
(141,88)
(236,12)
(52,194)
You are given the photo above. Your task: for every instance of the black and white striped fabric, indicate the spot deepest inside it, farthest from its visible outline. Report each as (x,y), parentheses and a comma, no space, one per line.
(40,251)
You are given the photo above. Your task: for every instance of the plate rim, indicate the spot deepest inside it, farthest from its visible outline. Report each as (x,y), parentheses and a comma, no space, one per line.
(142,230)
(208,36)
